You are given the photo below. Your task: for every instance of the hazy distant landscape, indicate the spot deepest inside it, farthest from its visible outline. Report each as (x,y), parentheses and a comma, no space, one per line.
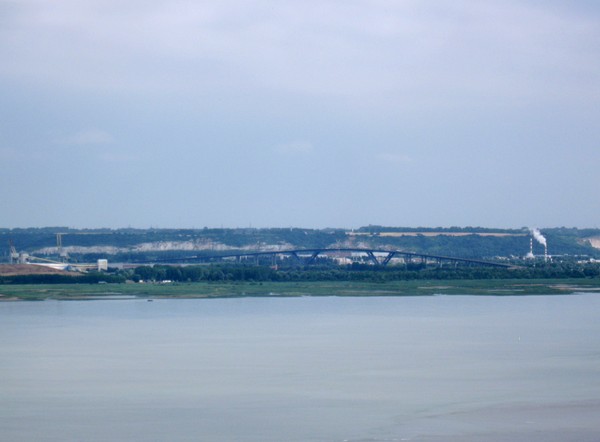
(126,245)
(201,263)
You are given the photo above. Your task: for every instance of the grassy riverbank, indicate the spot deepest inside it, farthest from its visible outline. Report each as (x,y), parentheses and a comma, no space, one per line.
(284,289)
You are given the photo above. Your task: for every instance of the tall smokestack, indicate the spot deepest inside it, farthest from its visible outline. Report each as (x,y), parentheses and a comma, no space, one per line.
(535,232)
(530,254)
(531,246)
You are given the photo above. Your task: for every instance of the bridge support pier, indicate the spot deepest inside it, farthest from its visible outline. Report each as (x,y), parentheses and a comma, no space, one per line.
(372,257)
(312,257)
(388,258)
(297,257)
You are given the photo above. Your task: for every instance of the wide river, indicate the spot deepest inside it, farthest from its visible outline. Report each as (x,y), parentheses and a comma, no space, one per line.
(441,368)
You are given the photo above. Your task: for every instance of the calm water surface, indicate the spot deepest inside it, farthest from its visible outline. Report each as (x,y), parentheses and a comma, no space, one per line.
(451,368)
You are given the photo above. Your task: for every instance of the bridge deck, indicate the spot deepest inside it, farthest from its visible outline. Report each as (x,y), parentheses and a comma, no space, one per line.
(310,255)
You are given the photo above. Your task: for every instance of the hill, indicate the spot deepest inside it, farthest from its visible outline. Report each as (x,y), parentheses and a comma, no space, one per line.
(131,245)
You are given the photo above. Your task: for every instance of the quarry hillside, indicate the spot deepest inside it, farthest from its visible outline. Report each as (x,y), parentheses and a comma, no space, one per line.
(147,244)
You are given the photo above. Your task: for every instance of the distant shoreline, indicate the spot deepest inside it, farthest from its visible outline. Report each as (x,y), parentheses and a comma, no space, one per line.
(208,290)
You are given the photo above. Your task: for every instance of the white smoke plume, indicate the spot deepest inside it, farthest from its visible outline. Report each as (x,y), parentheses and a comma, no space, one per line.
(538,236)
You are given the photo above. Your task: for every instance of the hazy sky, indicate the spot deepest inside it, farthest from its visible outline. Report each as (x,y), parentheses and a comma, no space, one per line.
(299,113)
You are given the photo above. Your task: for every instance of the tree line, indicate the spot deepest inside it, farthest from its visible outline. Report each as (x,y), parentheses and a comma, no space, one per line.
(354,272)
(358,272)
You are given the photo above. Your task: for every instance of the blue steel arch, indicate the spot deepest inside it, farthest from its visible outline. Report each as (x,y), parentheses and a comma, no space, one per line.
(308,256)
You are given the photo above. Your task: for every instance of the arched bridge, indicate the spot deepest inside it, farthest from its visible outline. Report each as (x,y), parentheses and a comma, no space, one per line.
(308,256)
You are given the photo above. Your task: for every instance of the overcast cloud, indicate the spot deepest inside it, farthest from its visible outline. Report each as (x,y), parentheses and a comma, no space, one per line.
(312,113)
